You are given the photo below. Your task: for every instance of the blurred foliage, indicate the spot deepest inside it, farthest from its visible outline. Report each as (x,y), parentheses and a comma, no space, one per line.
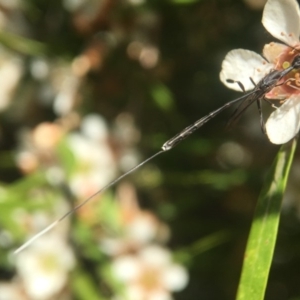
(157,61)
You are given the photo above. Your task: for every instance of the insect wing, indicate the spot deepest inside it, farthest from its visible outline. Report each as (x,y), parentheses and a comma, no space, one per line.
(239,111)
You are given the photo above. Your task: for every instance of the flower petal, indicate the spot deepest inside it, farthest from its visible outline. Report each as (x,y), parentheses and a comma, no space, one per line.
(284,123)
(282,19)
(273,51)
(241,65)
(156,256)
(126,268)
(175,278)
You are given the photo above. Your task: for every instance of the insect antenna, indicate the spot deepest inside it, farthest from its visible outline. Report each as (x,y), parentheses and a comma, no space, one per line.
(52,225)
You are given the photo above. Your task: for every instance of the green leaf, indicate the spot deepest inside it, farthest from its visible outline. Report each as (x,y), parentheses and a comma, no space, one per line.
(67,159)
(84,286)
(187,254)
(22,44)
(162,96)
(262,239)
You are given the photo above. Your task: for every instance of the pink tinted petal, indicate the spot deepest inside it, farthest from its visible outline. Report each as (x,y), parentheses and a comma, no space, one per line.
(282,19)
(273,51)
(284,123)
(240,65)
(159,295)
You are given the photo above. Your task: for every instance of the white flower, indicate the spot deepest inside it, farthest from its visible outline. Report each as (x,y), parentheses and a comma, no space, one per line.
(133,227)
(11,291)
(282,19)
(11,69)
(241,65)
(44,266)
(91,149)
(150,275)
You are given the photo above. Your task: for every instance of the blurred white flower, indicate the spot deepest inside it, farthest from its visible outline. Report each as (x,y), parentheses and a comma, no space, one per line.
(46,135)
(150,274)
(59,84)
(27,161)
(138,227)
(11,291)
(44,266)
(127,135)
(37,146)
(125,129)
(94,157)
(94,127)
(39,68)
(282,19)
(11,70)
(66,96)
(149,57)
(10,4)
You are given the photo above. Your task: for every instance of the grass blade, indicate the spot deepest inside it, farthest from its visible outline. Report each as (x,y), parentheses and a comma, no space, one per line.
(262,239)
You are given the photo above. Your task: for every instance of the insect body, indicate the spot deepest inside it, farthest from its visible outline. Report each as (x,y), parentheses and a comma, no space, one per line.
(265,85)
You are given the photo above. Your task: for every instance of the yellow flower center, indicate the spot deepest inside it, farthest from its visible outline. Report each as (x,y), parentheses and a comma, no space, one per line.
(291,82)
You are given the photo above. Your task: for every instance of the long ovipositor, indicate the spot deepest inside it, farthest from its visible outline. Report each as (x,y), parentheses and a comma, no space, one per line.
(265,85)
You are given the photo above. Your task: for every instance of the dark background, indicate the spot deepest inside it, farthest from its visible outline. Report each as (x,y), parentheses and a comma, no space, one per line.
(209,184)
